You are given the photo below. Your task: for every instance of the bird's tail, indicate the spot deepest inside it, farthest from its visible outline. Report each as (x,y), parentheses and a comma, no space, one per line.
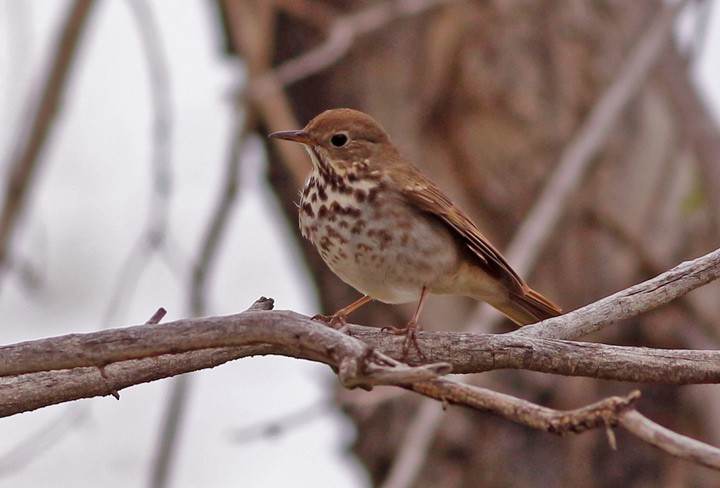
(528,308)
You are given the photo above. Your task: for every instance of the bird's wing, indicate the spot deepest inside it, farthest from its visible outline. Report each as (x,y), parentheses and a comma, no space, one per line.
(429,198)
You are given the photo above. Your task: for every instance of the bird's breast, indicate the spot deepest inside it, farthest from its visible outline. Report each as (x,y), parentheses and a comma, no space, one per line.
(372,239)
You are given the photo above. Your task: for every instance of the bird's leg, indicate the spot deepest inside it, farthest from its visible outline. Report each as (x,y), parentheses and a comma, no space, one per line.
(338,320)
(410,330)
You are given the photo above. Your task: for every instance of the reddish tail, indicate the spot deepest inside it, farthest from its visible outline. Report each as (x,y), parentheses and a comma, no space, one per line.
(528,308)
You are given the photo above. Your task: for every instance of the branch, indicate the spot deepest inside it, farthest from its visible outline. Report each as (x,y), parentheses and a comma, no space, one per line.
(630,302)
(469,353)
(24,159)
(624,304)
(666,440)
(47,371)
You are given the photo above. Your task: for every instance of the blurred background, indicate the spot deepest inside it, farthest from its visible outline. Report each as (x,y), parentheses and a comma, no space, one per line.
(136,174)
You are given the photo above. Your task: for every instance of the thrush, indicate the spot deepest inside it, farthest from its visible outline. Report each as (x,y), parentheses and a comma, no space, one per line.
(388,231)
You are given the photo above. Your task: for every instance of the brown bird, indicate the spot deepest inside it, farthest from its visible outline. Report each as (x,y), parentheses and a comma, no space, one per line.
(388,231)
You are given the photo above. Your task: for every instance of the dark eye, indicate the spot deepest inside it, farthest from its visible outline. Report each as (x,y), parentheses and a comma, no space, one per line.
(339,140)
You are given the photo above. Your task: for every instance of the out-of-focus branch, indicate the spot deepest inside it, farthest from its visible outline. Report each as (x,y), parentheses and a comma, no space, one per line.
(578,155)
(312,12)
(251,24)
(265,90)
(340,38)
(46,437)
(40,116)
(277,426)
(697,124)
(227,197)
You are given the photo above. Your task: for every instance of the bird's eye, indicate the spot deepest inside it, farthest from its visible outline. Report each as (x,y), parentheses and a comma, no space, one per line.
(339,140)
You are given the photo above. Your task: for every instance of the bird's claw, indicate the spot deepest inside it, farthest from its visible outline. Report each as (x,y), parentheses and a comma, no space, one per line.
(410,333)
(335,321)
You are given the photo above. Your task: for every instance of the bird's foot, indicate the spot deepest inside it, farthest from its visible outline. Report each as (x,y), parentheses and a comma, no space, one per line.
(410,333)
(337,321)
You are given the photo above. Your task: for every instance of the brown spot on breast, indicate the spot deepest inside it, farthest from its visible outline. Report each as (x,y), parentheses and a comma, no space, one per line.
(322,212)
(372,195)
(384,235)
(360,195)
(321,193)
(324,243)
(343,224)
(358,227)
(385,238)
(332,233)
(313,197)
(307,209)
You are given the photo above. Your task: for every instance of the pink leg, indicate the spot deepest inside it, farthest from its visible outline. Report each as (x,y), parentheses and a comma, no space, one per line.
(410,330)
(339,318)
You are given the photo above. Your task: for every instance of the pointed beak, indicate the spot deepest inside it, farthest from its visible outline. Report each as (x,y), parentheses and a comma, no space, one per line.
(293,135)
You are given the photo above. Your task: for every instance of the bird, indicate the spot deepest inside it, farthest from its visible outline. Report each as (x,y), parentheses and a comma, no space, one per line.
(387,230)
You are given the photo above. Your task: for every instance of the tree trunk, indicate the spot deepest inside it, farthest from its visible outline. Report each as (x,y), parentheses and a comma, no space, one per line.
(483,96)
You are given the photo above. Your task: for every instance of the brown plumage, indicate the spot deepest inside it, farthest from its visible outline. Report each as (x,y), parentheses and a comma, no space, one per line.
(384,228)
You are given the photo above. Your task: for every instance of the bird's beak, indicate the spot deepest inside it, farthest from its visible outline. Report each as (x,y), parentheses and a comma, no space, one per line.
(293,135)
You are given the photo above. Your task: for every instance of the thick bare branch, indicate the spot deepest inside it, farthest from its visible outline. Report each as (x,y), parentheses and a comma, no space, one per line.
(474,353)
(629,302)
(60,369)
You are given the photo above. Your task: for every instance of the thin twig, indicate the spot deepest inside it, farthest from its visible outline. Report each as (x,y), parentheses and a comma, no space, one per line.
(671,442)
